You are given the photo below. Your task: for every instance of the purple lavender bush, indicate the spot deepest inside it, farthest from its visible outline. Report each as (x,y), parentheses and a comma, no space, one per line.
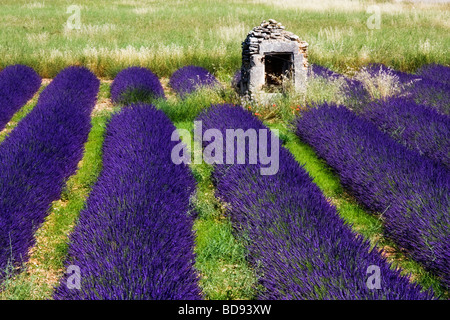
(431,93)
(324,72)
(422,88)
(134,239)
(410,191)
(39,156)
(18,84)
(435,72)
(417,127)
(136,84)
(375,68)
(189,78)
(356,95)
(236,80)
(297,244)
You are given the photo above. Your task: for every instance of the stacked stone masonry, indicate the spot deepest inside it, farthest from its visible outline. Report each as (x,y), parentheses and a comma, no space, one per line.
(267,39)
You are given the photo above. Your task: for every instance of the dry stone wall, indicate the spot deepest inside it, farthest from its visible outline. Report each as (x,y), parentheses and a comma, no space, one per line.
(268,39)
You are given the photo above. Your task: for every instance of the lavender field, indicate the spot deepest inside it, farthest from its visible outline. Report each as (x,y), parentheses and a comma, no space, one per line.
(131,181)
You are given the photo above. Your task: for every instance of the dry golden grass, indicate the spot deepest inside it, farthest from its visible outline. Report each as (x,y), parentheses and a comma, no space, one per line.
(380,85)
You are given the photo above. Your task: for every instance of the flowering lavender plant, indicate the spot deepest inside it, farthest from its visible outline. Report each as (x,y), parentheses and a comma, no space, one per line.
(189,78)
(410,191)
(134,239)
(297,244)
(418,127)
(376,68)
(324,72)
(431,93)
(38,156)
(18,84)
(422,88)
(435,72)
(355,94)
(135,84)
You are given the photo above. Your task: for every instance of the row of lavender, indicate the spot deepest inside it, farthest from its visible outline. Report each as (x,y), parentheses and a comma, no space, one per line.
(419,120)
(430,86)
(18,84)
(137,84)
(410,191)
(416,126)
(410,120)
(134,239)
(144,82)
(297,244)
(311,292)
(39,155)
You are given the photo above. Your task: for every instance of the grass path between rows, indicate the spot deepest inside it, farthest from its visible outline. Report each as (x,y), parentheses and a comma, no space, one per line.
(21,113)
(220,258)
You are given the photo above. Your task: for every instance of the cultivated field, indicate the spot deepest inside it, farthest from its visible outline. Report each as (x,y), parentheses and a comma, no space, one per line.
(91,93)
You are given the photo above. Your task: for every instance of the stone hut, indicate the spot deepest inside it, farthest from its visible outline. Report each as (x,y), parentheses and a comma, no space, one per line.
(270,56)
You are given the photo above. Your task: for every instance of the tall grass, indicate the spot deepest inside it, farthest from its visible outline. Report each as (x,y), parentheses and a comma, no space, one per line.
(166,35)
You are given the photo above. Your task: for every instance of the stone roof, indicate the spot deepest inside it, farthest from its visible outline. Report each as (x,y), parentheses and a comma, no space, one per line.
(272,30)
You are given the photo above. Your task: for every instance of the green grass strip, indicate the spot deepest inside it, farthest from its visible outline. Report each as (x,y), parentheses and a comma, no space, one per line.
(220,258)
(19,115)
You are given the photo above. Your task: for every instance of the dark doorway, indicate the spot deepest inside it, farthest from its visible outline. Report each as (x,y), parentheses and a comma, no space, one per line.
(278,66)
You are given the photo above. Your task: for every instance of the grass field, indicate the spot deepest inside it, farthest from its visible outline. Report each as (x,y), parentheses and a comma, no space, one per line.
(165,35)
